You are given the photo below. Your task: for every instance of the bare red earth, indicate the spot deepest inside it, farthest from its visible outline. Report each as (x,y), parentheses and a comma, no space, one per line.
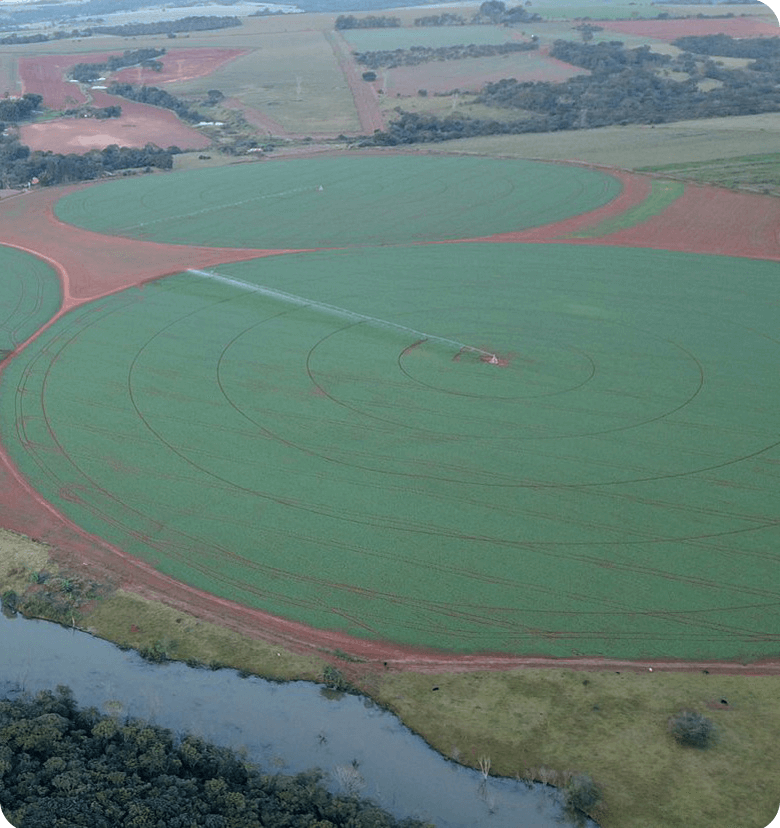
(138,125)
(45,75)
(91,265)
(365,95)
(179,65)
(748,26)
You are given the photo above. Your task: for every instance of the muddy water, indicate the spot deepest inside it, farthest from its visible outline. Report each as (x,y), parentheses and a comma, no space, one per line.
(286,727)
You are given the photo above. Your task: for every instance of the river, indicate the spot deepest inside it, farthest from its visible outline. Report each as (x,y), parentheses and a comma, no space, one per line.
(286,727)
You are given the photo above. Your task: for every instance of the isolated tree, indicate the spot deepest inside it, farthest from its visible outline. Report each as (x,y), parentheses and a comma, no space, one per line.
(582,794)
(692,729)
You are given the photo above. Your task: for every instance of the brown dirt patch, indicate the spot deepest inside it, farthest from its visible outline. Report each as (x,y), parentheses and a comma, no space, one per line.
(45,75)
(672,29)
(179,65)
(710,220)
(138,125)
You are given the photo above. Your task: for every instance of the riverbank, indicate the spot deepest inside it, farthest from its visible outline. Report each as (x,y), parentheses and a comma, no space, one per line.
(541,724)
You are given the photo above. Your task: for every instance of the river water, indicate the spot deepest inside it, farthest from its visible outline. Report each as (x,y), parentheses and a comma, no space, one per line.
(288,727)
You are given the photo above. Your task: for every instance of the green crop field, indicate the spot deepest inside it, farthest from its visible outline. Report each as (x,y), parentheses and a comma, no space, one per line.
(29,296)
(331,202)
(324,436)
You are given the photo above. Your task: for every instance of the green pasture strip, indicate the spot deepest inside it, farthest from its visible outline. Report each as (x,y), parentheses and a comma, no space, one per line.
(662,194)
(30,295)
(331,202)
(321,436)
(743,171)
(378,40)
(639,146)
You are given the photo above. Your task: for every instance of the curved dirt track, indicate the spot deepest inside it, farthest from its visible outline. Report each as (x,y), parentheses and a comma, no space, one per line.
(91,265)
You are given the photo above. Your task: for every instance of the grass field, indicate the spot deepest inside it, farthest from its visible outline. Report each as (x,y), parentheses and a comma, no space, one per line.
(608,491)
(375,40)
(639,146)
(29,296)
(330,202)
(293,77)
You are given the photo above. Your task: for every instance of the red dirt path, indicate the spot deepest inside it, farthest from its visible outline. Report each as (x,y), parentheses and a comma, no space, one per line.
(92,265)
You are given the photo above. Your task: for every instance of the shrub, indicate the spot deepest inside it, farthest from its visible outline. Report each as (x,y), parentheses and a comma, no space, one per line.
(582,794)
(692,729)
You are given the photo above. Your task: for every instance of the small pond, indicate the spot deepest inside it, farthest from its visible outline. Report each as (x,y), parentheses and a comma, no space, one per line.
(287,727)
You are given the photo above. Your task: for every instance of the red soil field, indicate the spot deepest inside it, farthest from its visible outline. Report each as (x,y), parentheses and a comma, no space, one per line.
(671,29)
(45,75)
(138,125)
(92,265)
(179,65)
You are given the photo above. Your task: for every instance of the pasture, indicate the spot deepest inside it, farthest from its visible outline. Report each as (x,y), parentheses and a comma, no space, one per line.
(293,77)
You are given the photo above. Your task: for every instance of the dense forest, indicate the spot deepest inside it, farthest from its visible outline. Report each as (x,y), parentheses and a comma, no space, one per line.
(425,54)
(65,766)
(621,86)
(17,109)
(725,46)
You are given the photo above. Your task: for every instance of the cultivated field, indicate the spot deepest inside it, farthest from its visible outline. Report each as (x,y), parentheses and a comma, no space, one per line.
(337,406)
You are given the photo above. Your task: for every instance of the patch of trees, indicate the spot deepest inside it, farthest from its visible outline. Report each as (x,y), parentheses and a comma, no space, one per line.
(156,97)
(63,765)
(725,46)
(623,87)
(88,72)
(100,112)
(17,109)
(348,21)
(496,11)
(10,40)
(440,20)
(20,167)
(425,54)
(183,24)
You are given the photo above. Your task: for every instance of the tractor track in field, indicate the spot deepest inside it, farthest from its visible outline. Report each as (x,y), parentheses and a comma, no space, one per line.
(92,265)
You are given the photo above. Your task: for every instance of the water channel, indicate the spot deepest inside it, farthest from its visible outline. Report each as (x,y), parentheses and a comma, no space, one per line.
(288,727)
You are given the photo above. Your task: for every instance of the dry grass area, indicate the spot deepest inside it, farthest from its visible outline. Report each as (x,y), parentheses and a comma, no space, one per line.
(637,146)
(544,724)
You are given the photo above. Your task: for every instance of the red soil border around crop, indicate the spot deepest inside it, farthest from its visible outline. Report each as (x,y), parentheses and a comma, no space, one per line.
(748,26)
(91,265)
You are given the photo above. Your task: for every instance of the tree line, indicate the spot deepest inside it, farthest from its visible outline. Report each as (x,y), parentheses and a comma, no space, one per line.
(156,97)
(65,765)
(425,54)
(349,21)
(491,11)
(170,27)
(88,72)
(20,167)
